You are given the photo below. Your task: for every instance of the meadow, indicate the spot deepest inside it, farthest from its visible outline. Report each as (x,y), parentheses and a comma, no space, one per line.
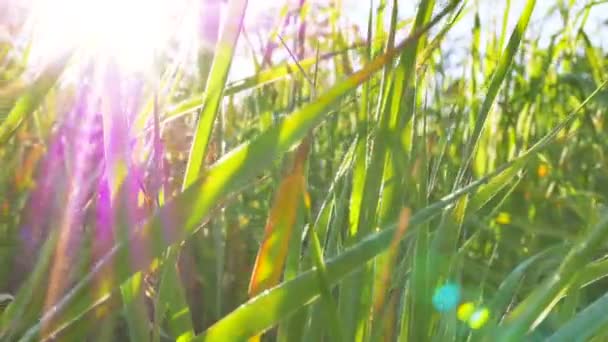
(299,178)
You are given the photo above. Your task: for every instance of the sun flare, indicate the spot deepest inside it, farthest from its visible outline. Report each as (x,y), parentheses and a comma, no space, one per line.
(128,31)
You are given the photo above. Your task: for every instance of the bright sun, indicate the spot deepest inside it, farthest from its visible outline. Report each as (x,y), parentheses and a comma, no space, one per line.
(129,31)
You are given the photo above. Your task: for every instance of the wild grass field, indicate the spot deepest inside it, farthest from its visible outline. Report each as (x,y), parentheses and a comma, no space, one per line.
(281,173)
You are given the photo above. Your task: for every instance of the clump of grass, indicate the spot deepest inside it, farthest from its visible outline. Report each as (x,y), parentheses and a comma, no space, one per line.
(330,196)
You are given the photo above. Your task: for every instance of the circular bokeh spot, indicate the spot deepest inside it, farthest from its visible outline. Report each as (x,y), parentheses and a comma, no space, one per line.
(446,297)
(479,318)
(465,311)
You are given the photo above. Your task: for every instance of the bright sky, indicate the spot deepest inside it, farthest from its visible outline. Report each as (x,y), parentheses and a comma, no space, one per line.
(133,30)
(491,13)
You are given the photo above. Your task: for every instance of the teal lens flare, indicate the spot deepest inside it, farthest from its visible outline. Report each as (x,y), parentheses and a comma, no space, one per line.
(446,297)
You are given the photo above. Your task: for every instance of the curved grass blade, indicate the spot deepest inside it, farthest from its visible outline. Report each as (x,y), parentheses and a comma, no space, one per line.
(585,324)
(592,273)
(510,284)
(536,306)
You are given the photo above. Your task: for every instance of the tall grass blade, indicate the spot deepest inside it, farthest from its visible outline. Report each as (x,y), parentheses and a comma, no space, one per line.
(506,60)
(218,75)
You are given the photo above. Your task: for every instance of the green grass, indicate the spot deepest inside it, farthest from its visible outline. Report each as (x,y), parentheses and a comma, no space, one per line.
(271,207)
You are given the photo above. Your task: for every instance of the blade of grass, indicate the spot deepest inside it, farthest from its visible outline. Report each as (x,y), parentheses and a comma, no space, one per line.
(218,75)
(585,324)
(172,300)
(498,78)
(134,308)
(33,96)
(380,308)
(272,254)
